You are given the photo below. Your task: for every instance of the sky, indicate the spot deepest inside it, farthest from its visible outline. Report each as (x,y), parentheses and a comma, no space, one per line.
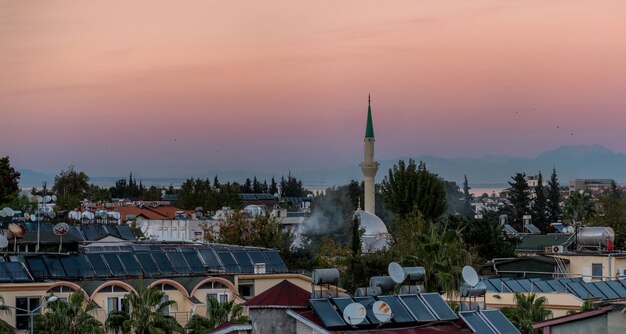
(166,88)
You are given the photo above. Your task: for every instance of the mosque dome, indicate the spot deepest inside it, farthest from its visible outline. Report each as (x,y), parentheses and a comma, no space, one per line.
(375,236)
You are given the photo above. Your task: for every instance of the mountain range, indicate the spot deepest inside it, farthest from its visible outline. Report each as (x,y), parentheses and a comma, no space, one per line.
(580,161)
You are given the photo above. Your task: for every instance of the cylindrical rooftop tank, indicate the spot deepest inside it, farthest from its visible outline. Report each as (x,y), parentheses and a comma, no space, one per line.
(414,273)
(595,236)
(477,291)
(325,276)
(412,289)
(384,282)
(371,291)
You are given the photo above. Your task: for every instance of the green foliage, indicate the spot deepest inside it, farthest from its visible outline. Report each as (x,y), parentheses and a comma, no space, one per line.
(71,187)
(487,237)
(555,212)
(71,317)
(147,315)
(357,236)
(612,213)
(411,188)
(454,196)
(528,310)
(23,204)
(292,187)
(359,269)
(99,194)
(217,314)
(199,193)
(9,181)
(579,206)
(540,207)
(467,211)
(437,248)
(127,189)
(519,193)
(259,231)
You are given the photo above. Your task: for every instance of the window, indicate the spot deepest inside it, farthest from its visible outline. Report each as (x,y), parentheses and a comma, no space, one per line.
(221,297)
(22,318)
(163,300)
(246,289)
(61,289)
(596,270)
(117,304)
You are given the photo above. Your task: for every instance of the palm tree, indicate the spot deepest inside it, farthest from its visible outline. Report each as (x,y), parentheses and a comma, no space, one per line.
(147,315)
(579,206)
(439,249)
(528,310)
(69,317)
(115,321)
(4,326)
(217,314)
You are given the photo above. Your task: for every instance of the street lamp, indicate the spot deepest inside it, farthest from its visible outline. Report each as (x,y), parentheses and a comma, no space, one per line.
(30,313)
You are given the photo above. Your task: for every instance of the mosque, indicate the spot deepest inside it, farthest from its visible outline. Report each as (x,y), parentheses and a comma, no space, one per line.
(376,236)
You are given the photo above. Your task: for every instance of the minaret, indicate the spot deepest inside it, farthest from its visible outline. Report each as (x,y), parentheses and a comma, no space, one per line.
(369,166)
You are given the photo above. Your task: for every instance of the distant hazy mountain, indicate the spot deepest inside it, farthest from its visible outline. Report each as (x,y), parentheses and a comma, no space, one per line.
(583,161)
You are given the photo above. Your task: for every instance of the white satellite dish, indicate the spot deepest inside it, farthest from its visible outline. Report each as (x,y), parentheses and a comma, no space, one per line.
(470,276)
(396,272)
(33,217)
(8,212)
(51,214)
(102,214)
(47,199)
(60,229)
(354,314)
(382,311)
(4,242)
(53,198)
(39,199)
(3,213)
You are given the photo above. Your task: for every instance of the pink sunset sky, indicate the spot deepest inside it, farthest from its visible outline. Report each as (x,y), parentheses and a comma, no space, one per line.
(168,87)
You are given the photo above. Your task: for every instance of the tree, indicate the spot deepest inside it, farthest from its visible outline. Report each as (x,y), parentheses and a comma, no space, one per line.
(439,249)
(612,213)
(540,207)
(273,187)
(71,187)
(555,212)
(519,193)
(217,314)
(147,315)
(9,181)
(615,190)
(411,188)
(579,206)
(486,235)
(467,199)
(259,231)
(69,317)
(528,310)
(292,187)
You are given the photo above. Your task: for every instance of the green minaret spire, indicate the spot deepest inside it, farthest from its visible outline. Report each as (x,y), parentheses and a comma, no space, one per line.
(369,129)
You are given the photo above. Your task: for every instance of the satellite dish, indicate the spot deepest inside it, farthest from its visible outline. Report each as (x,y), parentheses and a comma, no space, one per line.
(60,229)
(382,311)
(47,199)
(33,217)
(26,216)
(39,199)
(470,276)
(396,272)
(8,212)
(163,192)
(354,314)
(3,213)
(17,230)
(51,214)
(102,214)
(53,198)
(4,242)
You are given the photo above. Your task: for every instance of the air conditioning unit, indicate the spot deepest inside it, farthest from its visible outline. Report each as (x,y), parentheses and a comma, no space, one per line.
(621,272)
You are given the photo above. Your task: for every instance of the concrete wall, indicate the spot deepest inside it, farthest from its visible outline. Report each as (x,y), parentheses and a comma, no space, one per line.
(270,321)
(581,265)
(558,303)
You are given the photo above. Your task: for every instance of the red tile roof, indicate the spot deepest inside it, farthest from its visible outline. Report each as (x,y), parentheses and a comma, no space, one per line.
(282,295)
